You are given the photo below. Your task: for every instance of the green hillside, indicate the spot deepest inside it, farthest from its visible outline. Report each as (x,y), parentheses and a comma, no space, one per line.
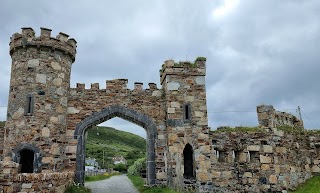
(114,143)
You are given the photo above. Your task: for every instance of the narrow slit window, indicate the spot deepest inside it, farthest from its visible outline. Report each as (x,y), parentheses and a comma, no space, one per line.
(29,107)
(187,112)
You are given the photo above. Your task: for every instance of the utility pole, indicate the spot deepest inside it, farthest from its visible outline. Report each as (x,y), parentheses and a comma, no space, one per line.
(299,112)
(103,159)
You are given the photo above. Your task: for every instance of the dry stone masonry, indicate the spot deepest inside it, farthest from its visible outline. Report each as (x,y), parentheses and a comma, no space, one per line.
(43,142)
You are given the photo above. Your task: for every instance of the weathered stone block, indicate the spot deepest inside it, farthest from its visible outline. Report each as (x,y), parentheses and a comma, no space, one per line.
(267,149)
(281,150)
(33,63)
(173,86)
(273,179)
(41,78)
(253,148)
(265,159)
(247,175)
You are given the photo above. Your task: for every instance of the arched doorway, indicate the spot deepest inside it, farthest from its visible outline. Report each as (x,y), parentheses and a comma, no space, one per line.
(106,114)
(29,157)
(188,162)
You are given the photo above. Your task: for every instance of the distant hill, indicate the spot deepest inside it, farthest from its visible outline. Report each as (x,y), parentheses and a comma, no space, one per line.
(114,143)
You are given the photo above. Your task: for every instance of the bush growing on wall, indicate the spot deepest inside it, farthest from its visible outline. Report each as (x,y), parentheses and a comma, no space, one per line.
(138,166)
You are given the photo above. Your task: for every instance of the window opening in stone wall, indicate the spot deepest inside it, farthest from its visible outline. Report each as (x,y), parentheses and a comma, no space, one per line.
(222,156)
(254,156)
(188,162)
(237,156)
(26,161)
(29,107)
(187,112)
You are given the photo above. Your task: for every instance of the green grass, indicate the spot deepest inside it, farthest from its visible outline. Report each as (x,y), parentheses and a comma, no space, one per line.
(100,177)
(310,186)
(237,129)
(74,188)
(139,184)
(2,123)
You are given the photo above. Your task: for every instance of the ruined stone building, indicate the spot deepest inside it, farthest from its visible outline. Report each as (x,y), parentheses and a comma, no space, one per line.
(43,141)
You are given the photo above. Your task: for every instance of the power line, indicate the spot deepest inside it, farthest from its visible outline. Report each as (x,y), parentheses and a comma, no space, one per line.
(245,111)
(313,123)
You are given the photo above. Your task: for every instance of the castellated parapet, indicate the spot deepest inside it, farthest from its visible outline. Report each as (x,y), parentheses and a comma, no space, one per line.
(27,38)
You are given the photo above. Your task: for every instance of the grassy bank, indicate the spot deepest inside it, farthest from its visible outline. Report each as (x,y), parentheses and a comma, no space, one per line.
(100,177)
(310,186)
(139,184)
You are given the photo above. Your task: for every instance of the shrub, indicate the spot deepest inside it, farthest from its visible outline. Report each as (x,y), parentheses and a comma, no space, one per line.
(138,166)
(120,168)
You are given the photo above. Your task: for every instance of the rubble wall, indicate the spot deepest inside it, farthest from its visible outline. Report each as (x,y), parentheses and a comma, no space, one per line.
(269,117)
(263,161)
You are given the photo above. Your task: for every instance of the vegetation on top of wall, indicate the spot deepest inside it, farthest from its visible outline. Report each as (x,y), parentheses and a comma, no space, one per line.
(200,58)
(290,129)
(138,182)
(237,129)
(2,123)
(311,186)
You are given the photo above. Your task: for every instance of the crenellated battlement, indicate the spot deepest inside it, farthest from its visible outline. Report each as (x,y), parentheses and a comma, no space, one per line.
(116,84)
(196,68)
(27,37)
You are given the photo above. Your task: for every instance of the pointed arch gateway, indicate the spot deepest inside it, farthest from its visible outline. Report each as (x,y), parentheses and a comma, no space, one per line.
(106,114)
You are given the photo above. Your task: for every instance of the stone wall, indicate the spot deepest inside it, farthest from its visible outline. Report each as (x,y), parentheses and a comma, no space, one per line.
(263,161)
(12,182)
(2,131)
(269,117)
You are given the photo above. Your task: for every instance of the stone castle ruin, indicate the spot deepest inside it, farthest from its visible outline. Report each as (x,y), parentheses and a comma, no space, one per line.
(43,141)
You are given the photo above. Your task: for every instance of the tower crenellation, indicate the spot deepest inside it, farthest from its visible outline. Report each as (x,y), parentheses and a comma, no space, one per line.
(27,38)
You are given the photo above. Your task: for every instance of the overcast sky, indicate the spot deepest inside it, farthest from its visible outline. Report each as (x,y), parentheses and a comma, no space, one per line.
(258,51)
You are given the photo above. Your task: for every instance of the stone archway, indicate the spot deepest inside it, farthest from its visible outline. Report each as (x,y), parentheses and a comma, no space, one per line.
(106,114)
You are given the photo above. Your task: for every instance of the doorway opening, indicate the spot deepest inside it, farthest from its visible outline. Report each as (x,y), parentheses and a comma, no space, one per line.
(188,162)
(26,161)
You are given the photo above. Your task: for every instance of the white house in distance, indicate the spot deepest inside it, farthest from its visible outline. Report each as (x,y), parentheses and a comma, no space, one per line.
(91,164)
(119,160)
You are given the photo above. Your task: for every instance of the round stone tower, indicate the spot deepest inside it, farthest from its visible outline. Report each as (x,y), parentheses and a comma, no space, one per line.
(38,97)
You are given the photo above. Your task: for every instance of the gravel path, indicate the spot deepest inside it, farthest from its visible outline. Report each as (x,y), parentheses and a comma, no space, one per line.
(115,184)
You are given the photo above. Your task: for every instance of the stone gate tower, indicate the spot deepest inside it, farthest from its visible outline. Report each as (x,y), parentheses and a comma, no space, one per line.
(37,107)
(44,135)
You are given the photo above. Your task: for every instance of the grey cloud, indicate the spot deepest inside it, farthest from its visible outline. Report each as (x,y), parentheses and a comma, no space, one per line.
(261,52)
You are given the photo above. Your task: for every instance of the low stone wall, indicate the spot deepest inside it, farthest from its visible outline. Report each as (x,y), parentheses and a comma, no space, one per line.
(263,161)
(12,182)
